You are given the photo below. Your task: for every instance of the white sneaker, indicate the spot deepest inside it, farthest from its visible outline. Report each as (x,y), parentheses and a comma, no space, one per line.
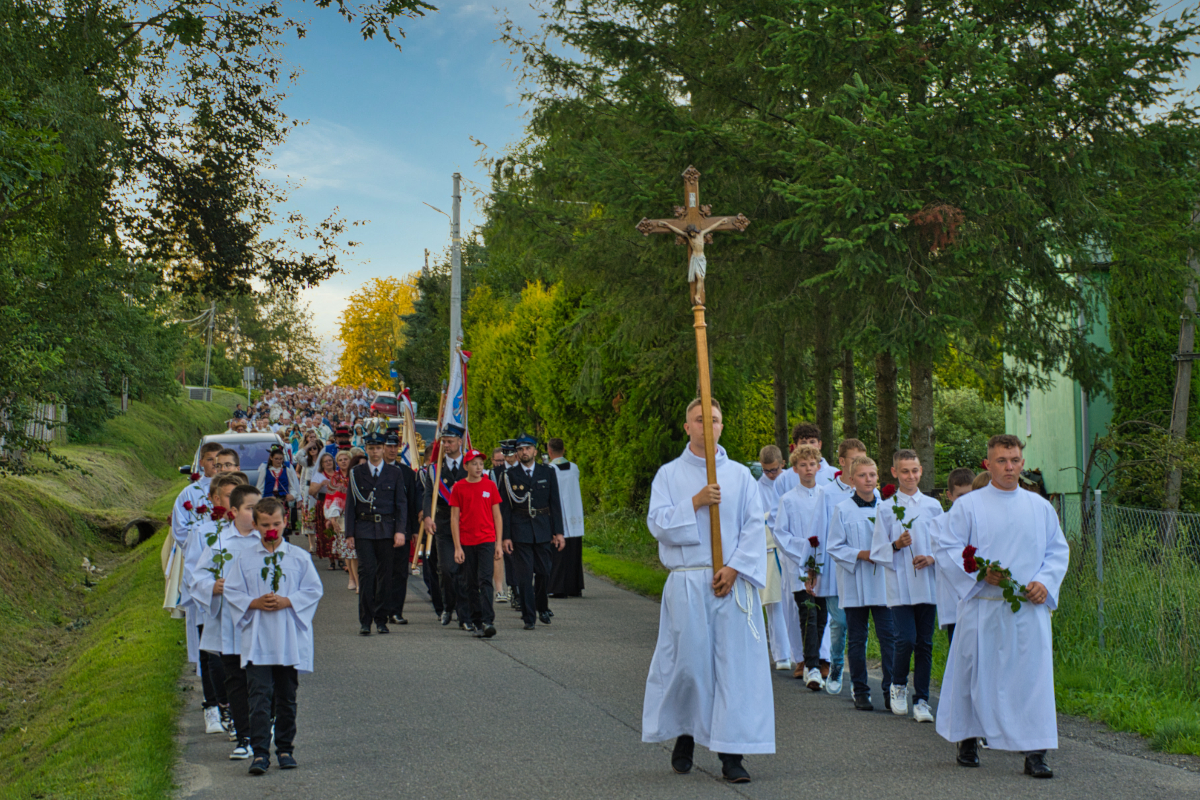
(899,700)
(833,685)
(241,753)
(212,720)
(501,597)
(781,665)
(922,712)
(813,680)
(233,737)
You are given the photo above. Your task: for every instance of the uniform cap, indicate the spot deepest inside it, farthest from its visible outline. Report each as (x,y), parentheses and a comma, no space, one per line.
(450,429)
(525,439)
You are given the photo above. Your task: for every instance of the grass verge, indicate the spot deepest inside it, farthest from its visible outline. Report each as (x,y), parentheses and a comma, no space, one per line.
(619,547)
(81,667)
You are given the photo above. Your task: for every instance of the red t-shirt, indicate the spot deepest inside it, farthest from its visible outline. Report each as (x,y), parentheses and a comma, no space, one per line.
(474,502)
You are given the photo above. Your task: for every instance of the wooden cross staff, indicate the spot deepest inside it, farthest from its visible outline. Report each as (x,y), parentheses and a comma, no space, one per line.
(694,227)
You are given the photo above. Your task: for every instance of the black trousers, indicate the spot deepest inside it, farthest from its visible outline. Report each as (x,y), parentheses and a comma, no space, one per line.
(812,625)
(950,633)
(400,567)
(212,677)
(269,684)
(237,692)
(508,571)
(375,558)
(532,563)
(450,576)
(429,573)
(566,574)
(477,569)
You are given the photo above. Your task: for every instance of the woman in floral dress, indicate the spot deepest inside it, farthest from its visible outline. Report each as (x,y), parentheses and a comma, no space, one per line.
(335,504)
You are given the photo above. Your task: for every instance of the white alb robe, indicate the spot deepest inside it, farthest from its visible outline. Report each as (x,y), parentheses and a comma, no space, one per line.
(710,677)
(282,637)
(218,636)
(851,528)
(906,585)
(789,480)
(801,515)
(182,522)
(947,598)
(570,497)
(784,637)
(999,680)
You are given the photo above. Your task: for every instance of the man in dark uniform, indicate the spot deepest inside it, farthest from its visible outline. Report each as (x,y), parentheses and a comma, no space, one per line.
(376,515)
(454,592)
(532,526)
(429,567)
(415,498)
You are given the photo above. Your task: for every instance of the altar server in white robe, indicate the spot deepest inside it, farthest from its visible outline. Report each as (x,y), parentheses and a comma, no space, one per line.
(784,638)
(902,547)
(274,627)
(958,483)
(800,522)
(999,680)
(709,681)
(862,592)
(805,433)
(184,515)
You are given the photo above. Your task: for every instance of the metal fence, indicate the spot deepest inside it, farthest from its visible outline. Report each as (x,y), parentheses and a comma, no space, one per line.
(1133,588)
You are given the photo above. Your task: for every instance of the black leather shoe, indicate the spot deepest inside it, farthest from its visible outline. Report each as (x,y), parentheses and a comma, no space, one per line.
(887,700)
(551,613)
(466,626)
(445,617)
(1035,765)
(862,702)
(365,630)
(732,769)
(383,628)
(286,761)
(968,754)
(489,630)
(394,620)
(681,756)
(530,626)
(544,617)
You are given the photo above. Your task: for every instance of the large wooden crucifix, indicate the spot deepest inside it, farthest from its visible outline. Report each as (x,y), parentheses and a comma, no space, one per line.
(694,227)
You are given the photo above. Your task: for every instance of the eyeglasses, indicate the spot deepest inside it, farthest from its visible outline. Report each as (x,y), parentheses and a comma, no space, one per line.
(772,470)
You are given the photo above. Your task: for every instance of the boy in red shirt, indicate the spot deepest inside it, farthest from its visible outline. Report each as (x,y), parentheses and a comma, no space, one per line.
(476,528)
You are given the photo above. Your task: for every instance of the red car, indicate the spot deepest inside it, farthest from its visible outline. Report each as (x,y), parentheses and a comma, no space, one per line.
(385,405)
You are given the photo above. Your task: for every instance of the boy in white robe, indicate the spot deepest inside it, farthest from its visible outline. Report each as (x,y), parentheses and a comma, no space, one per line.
(805,433)
(902,545)
(184,515)
(958,483)
(220,636)
(999,680)
(274,626)
(709,680)
(801,521)
(783,623)
(862,592)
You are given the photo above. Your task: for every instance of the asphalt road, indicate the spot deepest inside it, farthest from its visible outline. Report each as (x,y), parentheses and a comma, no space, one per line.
(430,712)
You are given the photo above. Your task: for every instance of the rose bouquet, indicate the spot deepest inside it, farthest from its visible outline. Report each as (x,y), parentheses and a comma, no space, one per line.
(1014,593)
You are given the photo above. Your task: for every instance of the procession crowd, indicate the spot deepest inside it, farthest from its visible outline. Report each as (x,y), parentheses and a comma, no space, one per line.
(816,554)
(351,490)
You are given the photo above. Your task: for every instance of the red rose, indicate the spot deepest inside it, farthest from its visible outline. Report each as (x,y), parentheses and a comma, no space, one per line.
(218,513)
(969,563)
(202,510)
(983,463)
(813,541)
(229,515)
(837,474)
(887,491)
(271,535)
(187,505)
(195,476)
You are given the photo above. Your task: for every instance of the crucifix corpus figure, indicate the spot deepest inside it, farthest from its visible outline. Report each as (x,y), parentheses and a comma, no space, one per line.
(710,679)
(696,231)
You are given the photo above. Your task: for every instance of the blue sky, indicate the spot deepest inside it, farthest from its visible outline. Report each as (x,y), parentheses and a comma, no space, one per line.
(387,128)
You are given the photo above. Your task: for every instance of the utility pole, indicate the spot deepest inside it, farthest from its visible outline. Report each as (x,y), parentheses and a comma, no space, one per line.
(1183,381)
(212,315)
(455,272)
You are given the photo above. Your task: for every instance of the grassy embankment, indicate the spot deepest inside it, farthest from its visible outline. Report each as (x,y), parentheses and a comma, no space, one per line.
(1125,691)
(90,673)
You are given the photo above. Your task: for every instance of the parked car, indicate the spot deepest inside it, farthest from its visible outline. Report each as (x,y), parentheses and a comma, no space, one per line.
(385,405)
(426,428)
(252,450)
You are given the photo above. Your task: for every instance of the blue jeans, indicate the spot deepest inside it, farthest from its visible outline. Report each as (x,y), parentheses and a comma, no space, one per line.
(914,634)
(857,623)
(837,636)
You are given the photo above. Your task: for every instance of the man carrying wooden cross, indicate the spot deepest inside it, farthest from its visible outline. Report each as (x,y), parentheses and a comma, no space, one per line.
(710,678)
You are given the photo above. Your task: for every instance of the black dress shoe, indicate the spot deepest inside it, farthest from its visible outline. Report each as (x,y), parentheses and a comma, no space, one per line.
(530,626)
(968,754)
(383,628)
(466,626)
(544,617)
(551,613)
(862,702)
(1035,765)
(365,630)
(681,756)
(732,769)
(445,617)
(489,630)
(394,620)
